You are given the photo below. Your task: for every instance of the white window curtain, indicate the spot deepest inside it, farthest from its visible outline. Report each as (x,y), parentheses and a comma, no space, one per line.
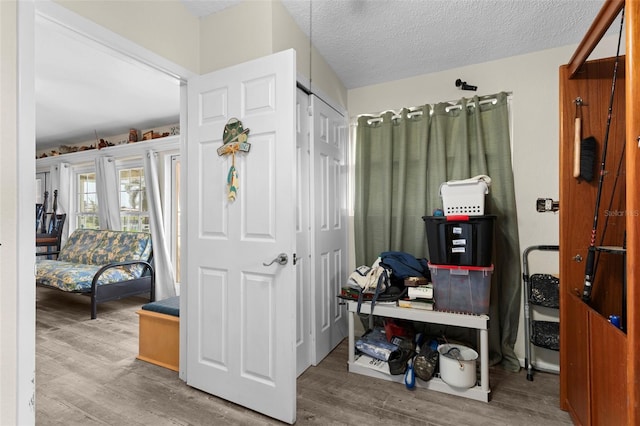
(108,194)
(165,277)
(60,180)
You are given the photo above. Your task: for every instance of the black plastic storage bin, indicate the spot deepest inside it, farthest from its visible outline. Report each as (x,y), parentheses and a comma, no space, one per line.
(460,240)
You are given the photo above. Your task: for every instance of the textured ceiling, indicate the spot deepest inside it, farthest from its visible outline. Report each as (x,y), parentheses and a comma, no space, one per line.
(373,41)
(83,88)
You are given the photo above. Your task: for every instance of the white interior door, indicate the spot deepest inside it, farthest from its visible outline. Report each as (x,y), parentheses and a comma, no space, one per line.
(304,341)
(329,206)
(241,315)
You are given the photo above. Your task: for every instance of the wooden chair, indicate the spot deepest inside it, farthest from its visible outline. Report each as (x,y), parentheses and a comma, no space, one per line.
(49,227)
(52,238)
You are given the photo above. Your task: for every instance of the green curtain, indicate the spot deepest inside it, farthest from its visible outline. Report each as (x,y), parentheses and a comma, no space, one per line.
(401,161)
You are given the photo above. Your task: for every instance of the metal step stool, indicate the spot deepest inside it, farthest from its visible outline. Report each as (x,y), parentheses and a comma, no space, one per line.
(539,290)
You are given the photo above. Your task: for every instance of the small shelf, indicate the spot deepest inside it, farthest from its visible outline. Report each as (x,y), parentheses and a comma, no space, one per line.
(611,249)
(480,392)
(124,150)
(435,384)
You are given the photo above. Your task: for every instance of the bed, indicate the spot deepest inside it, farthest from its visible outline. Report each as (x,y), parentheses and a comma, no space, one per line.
(102,264)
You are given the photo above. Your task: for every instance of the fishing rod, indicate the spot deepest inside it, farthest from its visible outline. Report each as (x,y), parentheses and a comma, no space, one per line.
(591,255)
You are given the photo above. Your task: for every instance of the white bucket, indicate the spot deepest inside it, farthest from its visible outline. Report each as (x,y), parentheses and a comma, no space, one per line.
(461,372)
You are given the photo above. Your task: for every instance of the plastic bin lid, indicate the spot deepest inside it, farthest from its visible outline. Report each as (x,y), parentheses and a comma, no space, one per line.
(460,267)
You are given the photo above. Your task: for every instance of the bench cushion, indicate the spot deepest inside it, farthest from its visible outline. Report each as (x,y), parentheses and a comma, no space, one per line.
(170,306)
(69,276)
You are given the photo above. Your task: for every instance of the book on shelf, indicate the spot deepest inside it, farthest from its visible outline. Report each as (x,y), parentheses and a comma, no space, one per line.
(421,292)
(416,304)
(353,294)
(415,281)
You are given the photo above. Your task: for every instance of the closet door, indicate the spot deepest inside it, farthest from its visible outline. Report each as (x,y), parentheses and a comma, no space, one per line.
(329,132)
(304,340)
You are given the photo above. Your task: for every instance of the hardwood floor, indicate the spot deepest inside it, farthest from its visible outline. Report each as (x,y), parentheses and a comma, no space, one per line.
(87,374)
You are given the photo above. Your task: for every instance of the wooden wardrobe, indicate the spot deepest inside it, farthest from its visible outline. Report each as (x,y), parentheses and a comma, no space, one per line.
(599,363)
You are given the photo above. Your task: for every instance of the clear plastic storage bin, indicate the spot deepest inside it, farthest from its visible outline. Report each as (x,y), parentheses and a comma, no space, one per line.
(461,289)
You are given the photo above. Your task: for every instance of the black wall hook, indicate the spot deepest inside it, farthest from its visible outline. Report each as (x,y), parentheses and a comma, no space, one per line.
(464,86)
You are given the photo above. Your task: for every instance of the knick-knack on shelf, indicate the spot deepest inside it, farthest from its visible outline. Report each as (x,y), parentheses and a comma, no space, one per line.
(133,135)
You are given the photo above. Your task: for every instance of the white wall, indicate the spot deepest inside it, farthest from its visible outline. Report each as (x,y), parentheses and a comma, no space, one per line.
(324,82)
(266,28)
(164,27)
(235,35)
(17,325)
(533,80)
(8,216)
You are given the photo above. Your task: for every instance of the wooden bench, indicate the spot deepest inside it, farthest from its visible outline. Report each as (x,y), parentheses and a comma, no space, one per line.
(159,338)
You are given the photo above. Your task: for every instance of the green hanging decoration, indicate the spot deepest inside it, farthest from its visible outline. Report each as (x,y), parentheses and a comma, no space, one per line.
(234,139)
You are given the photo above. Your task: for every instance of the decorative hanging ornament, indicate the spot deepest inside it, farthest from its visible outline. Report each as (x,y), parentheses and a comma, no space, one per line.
(234,139)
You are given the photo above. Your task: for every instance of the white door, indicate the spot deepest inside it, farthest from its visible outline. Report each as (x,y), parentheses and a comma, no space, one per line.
(303,245)
(329,206)
(241,315)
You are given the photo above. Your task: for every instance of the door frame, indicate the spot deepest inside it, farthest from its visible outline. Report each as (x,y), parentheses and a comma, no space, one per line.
(27,13)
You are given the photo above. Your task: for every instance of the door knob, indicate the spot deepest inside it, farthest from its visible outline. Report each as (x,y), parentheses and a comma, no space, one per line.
(281,259)
(577,258)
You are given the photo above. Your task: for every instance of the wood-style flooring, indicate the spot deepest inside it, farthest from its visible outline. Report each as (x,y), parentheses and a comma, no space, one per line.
(87,374)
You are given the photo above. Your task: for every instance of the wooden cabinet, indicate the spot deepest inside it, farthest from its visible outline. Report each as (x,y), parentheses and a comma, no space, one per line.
(599,363)
(594,368)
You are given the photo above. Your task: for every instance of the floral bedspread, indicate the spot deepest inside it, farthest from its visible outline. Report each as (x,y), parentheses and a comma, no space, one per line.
(86,251)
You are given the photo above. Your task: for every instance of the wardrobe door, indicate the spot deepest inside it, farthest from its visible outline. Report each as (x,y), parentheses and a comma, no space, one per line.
(584,388)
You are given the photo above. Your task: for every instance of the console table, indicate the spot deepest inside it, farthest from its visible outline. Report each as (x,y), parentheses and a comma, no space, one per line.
(480,392)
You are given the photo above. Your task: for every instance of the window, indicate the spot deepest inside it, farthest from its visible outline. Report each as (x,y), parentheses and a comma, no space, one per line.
(86,201)
(134,210)
(42,184)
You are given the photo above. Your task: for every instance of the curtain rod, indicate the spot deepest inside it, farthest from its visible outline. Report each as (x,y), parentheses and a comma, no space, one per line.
(472,104)
(415,111)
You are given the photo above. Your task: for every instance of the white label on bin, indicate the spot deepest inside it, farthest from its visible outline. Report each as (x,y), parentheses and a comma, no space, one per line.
(456,230)
(458,249)
(459,242)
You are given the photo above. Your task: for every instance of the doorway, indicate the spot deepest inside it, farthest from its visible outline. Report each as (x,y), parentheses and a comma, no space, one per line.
(28,14)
